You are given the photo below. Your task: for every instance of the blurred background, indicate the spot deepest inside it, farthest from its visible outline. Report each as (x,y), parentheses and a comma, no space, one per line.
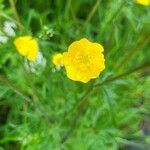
(41,109)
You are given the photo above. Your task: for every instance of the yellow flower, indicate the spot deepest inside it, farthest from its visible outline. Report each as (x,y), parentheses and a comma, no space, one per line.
(143,2)
(58,60)
(27,46)
(84,60)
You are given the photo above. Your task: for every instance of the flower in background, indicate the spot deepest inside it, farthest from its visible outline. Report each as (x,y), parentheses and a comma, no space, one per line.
(143,2)
(9,28)
(27,46)
(46,33)
(84,60)
(40,60)
(3,39)
(58,60)
(36,66)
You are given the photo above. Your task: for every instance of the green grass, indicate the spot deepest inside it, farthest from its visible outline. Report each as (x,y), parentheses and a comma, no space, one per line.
(44,110)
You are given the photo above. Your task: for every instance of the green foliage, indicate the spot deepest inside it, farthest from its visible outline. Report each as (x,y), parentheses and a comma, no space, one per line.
(44,109)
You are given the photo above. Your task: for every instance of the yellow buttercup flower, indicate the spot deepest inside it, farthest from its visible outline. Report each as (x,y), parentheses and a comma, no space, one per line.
(27,46)
(84,60)
(58,60)
(143,2)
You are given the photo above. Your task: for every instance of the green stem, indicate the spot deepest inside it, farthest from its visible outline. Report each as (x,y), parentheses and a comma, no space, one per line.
(15,89)
(91,14)
(123,75)
(67,9)
(8,17)
(13,7)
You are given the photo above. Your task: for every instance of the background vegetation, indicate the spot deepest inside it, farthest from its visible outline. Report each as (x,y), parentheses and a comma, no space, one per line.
(41,109)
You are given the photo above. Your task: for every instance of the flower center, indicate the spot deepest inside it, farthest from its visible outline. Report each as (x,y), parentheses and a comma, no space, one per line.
(82,62)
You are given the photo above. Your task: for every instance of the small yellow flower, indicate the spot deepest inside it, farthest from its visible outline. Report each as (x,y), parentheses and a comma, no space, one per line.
(58,60)
(143,2)
(84,60)
(27,46)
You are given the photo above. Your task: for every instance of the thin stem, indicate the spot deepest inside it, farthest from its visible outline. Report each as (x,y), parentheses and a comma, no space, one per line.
(13,7)
(91,14)
(67,9)
(132,143)
(123,75)
(8,17)
(15,89)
